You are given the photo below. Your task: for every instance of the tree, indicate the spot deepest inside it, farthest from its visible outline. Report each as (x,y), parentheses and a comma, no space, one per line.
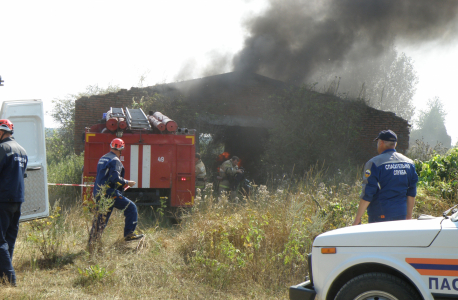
(387,82)
(431,125)
(394,86)
(59,143)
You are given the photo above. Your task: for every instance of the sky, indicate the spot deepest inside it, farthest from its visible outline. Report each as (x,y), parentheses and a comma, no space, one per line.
(49,49)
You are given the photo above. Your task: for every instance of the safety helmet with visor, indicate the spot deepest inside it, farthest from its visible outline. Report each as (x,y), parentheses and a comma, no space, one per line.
(6,125)
(117,144)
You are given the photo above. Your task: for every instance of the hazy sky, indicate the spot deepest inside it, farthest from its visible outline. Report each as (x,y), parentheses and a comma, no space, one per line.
(49,49)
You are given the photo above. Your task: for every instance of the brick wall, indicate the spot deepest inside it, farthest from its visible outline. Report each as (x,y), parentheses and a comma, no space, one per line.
(230,94)
(373,121)
(88,110)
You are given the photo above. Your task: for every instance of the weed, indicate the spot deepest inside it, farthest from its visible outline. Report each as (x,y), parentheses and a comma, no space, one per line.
(99,211)
(92,274)
(47,235)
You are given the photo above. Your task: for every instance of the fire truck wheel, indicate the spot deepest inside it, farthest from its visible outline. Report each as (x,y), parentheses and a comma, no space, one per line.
(379,286)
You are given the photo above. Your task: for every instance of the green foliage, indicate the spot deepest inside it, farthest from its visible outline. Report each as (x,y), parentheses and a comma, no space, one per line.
(440,173)
(423,151)
(230,247)
(395,87)
(59,144)
(387,82)
(172,105)
(48,234)
(93,274)
(162,206)
(97,211)
(257,249)
(431,125)
(267,239)
(63,165)
(68,170)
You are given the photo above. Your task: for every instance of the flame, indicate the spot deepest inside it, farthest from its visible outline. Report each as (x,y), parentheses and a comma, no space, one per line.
(225,156)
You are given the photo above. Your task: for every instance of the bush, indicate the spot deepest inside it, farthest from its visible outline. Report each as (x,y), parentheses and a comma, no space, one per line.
(440,174)
(48,234)
(92,274)
(265,240)
(68,170)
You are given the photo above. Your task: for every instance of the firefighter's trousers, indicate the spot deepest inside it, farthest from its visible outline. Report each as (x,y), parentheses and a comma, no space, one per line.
(130,213)
(10,212)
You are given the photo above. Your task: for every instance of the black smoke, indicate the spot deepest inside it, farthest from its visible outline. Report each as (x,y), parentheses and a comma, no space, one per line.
(295,38)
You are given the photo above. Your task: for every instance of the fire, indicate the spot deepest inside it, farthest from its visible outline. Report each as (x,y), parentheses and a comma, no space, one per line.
(225,156)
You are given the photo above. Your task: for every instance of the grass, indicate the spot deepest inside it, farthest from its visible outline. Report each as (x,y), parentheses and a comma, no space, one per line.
(253,249)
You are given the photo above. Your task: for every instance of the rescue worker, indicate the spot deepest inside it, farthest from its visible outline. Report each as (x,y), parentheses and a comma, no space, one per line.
(389,183)
(110,173)
(13,163)
(201,173)
(227,171)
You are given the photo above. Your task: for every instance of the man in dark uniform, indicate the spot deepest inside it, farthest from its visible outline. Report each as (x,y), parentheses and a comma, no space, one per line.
(13,163)
(389,183)
(110,174)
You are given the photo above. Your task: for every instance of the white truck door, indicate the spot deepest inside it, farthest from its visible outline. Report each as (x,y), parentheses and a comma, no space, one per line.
(29,131)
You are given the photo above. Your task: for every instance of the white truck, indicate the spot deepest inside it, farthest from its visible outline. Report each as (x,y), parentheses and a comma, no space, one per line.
(29,131)
(398,260)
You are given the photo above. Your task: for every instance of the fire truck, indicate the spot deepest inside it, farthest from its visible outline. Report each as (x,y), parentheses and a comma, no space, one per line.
(158,155)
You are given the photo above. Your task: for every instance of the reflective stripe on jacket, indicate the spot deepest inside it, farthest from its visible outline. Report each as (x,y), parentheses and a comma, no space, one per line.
(227,171)
(200,169)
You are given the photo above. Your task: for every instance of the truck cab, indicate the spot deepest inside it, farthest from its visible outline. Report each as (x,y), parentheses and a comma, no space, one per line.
(29,131)
(403,260)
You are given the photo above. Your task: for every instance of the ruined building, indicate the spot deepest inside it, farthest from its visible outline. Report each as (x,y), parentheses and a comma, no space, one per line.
(234,103)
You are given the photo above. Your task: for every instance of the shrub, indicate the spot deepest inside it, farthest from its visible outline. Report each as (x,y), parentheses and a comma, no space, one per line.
(440,174)
(47,235)
(266,237)
(92,274)
(68,170)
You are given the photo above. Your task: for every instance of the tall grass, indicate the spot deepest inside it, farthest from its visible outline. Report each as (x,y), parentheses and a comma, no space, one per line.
(254,247)
(66,170)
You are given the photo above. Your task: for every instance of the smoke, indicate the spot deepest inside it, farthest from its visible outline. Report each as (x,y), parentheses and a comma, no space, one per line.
(294,39)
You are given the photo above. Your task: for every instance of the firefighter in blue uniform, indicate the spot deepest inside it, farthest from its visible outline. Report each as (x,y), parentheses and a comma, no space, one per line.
(13,163)
(110,174)
(389,183)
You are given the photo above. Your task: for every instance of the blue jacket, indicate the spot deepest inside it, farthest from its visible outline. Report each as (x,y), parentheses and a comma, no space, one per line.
(110,171)
(387,181)
(13,163)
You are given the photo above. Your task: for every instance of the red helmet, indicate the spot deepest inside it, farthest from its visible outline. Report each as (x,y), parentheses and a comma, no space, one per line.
(117,144)
(6,125)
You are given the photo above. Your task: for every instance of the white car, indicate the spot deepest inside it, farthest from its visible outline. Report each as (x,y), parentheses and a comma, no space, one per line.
(403,260)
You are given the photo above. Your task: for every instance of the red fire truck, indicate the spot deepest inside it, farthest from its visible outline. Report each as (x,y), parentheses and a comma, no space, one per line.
(158,155)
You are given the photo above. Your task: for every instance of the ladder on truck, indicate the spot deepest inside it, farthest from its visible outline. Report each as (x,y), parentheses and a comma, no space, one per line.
(136,119)
(116,112)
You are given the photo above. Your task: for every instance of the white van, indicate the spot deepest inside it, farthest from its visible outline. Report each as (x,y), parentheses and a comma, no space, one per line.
(29,131)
